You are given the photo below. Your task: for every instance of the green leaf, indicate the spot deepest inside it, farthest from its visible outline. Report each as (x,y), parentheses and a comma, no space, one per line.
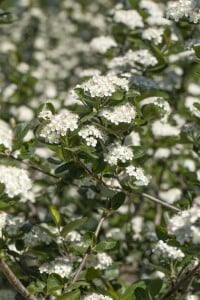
(162,233)
(55,214)
(154,286)
(75,295)
(73,225)
(20,132)
(92,273)
(141,294)
(61,169)
(89,239)
(129,293)
(36,287)
(152,112)
(54,283)
(105,245)
(197,50)
(117,200)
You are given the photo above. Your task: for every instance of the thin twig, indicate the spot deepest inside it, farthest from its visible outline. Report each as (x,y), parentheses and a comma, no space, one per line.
(163,203)
(82,264)
(16,283)
(181,283)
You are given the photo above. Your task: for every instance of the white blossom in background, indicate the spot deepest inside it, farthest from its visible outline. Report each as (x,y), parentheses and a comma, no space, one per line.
(192,297)
(118,153)
(162,129)
(166,251)
(3,219)
(58,126)
(198,175)
(184,8)
(14,224)
(172,195)
(133,139)
(137,227)
(17,182)
(153,34)
(95,296)
(194,89)
(189,103)
(185,226)
(6,135)
(36,236)
(88,72)
(138,174)
(189,164)
(60,266)
(119,114)
(103,261)
(102,44)
(130,18)
(116,234)
(142,57)
(103,86)
(162,153)
(91,134)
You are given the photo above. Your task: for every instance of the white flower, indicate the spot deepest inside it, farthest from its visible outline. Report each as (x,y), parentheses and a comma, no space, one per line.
(95,296)
(138,174)
(58,126)
(60,266)
(73,237)
(162,153)
(137,226)
(116,153)
(119,114)
(36,236)
(91,134)
(130,18)
(17,182)
(153,34)
(102,44)
(184,8)
(6,135)
(104,261)
(171,195)
(185,226)
(103,86)
(167,251)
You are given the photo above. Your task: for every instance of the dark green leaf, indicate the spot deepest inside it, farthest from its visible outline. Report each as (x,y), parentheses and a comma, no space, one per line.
(117,200)
(72,226)
(105,245)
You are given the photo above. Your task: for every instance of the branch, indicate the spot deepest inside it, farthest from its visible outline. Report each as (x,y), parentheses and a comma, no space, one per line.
(181,283)
(82,264)
(15,282)
(163,203)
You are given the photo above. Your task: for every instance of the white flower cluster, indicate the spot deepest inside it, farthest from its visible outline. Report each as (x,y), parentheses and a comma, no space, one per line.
(119,114)
(36,236)
(153,34)
(60,266)
(91,134)
(185,226)
(102,44)
(156,13)
(117,152)
(160,129)
(133,139)
(130,18)
(142,57)
(13,224)
(95,296)
(6,135)
(167,251)
(58,126)
(184,8)
(103,86)
(73,237)
(17,182)
(138,174)
(104,261)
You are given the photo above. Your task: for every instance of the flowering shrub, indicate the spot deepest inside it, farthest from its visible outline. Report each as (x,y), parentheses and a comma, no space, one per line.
(99,150)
